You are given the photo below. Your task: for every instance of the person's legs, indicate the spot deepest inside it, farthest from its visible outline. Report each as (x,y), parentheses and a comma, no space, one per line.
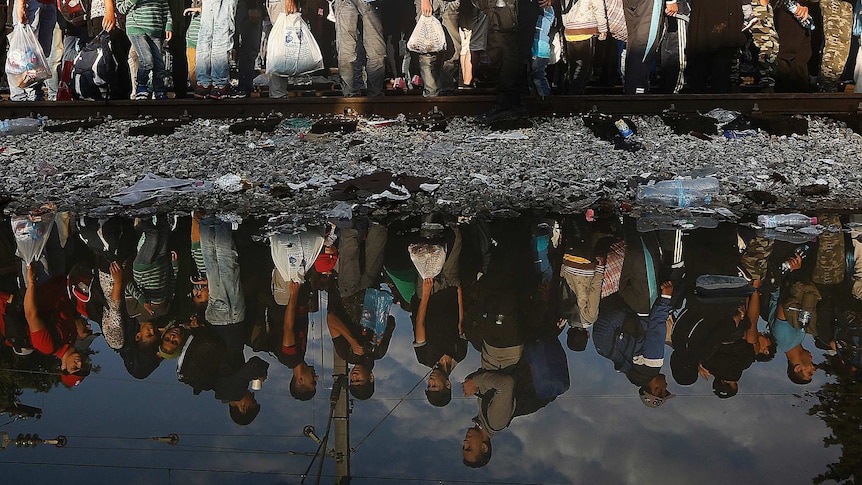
(837,29)
(222,42)
(429,68)
(765,38)
(203,52)
(375,47)
(160,72)
(579,55)
(643,19)
(346,18)
(43,18)
(452,55)
(672,55)
(145,64)
(226,302)
(249,26)
(54,61)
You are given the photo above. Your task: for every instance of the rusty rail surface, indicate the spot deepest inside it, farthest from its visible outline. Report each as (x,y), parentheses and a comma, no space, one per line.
(462,105)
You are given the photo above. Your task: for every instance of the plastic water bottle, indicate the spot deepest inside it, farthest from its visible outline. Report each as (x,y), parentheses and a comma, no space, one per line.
(790,236)
(704,185)
(785,220)
(623,128)
(671,196)
(18,126)
(801,251)
(792,7)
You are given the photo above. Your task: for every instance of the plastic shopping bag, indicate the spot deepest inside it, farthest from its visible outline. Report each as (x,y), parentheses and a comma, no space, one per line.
(291,49)
(25,61)
(428,36)
(31,234)
(427,258)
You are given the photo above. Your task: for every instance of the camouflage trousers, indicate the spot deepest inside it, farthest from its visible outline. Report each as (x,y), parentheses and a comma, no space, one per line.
(837,29)
(754,260)
(765,38)
(829,265)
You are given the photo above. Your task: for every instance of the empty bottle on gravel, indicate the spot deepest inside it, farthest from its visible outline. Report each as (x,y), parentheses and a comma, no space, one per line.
(18,126)
(785,220)
(671,196)
(704,185)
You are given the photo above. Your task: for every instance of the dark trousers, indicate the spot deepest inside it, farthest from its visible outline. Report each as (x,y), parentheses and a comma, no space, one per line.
(710,71)
(503,51)
(794,52)
(579,57)
(249,30)
(120,46)
(642,45)
(672,58)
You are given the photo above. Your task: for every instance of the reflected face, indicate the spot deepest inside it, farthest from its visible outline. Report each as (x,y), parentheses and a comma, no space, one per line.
(762,344)
(805,368)
(200,293)
(437,381)
(84,328)
(72,362)
(658,386)
(171,340)
(360,375)
(306,378)
(247,402)
(473,445)
(146,334)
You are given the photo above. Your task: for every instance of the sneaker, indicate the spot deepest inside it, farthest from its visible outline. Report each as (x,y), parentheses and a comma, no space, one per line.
(160,96)
(399,83)
(500,113)
(416,82)
(202,92)
(226,92)
(141,93)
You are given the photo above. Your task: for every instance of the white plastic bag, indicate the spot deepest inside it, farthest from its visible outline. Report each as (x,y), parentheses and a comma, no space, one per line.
(556,48)
(291,49)
(428,36)
(31,234)
(428,259)
(25,61)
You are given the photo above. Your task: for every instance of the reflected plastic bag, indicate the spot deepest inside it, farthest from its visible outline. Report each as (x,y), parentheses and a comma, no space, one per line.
(31,235)
(428,259)
(291,49)
(25,61)
(428,36)
(375,311)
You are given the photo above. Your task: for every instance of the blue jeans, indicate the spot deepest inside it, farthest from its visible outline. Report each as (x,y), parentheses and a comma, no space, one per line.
(150,58)
(347,13)
(42,18)
(226,302)
(215,41)
(538,76)
(439,70)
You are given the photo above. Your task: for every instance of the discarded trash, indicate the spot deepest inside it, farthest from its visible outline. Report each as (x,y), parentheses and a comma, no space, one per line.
(658,222)
(395,192)
(9,151)
(429,187)
(153,186)
(704,185)
(733,134)
(507,135)
(722,116)
(231,183)
(671,197)
(296,123)
(790,236)
(482,178)
(623,128)
(19,126)
(382,123)
(785,220)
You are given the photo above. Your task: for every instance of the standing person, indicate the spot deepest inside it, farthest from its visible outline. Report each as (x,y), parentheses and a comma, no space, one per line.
(42,17)
(715,35)
(837,27)
(672,48)
(215,41)
(791,72)
(765,39)
(584,20)
(103,16)
(249,25)
(149,26)
(643,24)
(439,70)
(348,14)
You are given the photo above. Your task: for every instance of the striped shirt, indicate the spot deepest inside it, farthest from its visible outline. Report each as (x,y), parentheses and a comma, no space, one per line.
(146,17)
(613,268)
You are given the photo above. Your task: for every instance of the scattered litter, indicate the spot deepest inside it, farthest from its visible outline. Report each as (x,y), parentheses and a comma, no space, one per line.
(482,178)
(382,123)
(230,183)
(10,151)
(153,186)
(733,134)
(507,135)
(295,123)
(722,116)
(429,187)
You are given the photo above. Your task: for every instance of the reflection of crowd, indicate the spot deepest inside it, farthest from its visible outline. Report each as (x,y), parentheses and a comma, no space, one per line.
(198,291)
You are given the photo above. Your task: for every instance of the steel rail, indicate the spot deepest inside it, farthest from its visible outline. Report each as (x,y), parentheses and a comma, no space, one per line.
(462,105)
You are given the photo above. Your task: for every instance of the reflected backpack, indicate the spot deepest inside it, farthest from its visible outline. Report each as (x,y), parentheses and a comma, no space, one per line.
(95,69)
(74,11)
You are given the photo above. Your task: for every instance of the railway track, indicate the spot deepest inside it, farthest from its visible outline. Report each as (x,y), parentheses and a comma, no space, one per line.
(845,106)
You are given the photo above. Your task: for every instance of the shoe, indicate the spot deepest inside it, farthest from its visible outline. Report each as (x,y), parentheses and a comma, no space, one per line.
(225,92)
(500,113)
(202,92)
(399,83)
(416,81)
(141,93)
(160,96)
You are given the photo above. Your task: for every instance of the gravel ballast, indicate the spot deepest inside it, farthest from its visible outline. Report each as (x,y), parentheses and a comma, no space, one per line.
(555,164)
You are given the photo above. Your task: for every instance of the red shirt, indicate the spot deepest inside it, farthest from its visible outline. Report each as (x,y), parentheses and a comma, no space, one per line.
(57,311)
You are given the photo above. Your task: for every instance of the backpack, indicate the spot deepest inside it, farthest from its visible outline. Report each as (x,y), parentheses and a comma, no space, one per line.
(95,69)
(73,11)
(548,366)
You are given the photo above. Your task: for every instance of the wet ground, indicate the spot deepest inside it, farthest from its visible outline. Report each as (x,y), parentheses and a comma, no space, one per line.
(584,407)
